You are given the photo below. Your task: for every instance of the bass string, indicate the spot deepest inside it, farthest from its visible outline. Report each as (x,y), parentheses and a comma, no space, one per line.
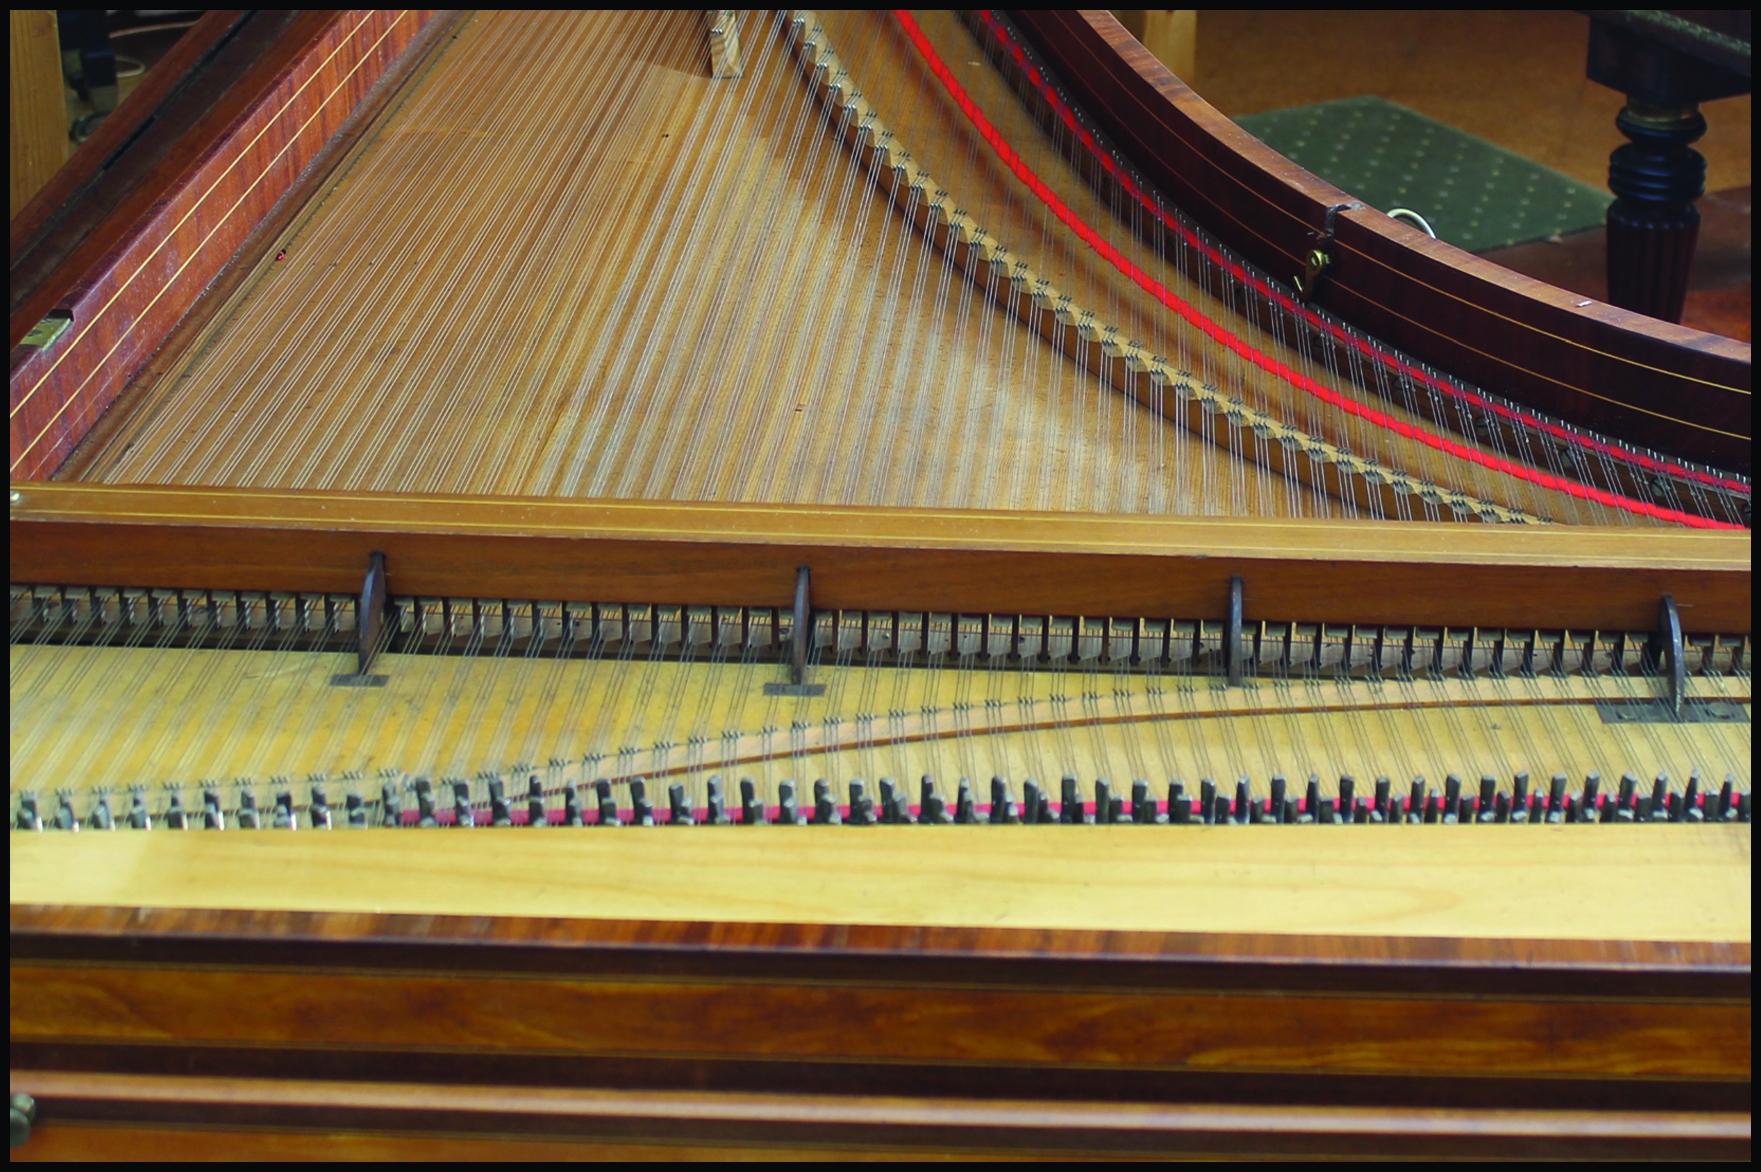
(712,209)
(557,450)
(425,373)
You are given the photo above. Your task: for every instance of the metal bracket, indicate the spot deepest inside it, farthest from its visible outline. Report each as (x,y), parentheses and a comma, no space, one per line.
(1697,711)
(1319,257)
(803,630)
(1232,649)
(369,621)
(1666,647)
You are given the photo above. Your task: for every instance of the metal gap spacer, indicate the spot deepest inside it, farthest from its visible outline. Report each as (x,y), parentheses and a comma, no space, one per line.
(1232,650)
(798,685)
(1666,644)
(369,621)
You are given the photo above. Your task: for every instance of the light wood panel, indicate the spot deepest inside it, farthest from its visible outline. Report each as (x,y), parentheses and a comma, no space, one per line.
(1564,882)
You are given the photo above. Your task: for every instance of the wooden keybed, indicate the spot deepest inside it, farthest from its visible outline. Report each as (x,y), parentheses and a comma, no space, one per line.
(782,989)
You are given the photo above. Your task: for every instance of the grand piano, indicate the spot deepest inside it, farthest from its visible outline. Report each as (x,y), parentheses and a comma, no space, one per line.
(799,584)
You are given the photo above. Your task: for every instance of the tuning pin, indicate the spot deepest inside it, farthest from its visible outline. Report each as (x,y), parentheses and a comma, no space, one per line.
(1244,803)
(573,813)
(213,818)
(1034,806)
(1743,806)
(1348,795)
(1589,811)
(1690,806)
(248,817)
(1103,801)
(716,811)
(678,806)
(788,813)
(1452,799)
(1143,807)
(1501,807)
(1624,803)
(1329,813)
(1179,806)
(138,818)
(1004,812)
(1574,808)
(391,805)
(319,809)
(65,818)
(825,805)
(284,817)
(463,814)
(28,818)
(1726,811)
(608,805)
(1275,804)
(894,811)
(1072,812)
(1658,805)
(751,809)
(1220,813)
(536,814)
(1415,806)
(1433,807)
(499,812)
(1207,801)
(1311,803)
(641,809)
(965,809)
(1556,798)
(1519,797)
(931,809)
(1488,798)
(1379,809)
(356,809)
(861,805)
(176,818)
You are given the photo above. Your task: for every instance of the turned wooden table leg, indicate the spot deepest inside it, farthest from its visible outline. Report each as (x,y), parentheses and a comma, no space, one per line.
(1666,64)
(1653,224)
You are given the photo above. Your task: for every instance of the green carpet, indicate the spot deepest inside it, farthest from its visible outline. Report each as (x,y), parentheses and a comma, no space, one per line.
(1475,195)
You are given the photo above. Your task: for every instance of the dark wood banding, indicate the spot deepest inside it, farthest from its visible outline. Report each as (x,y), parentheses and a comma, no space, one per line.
(1649,382)
(680,1014)
(126,1116)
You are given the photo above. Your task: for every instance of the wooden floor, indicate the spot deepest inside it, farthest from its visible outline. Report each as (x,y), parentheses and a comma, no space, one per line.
(1719,291)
